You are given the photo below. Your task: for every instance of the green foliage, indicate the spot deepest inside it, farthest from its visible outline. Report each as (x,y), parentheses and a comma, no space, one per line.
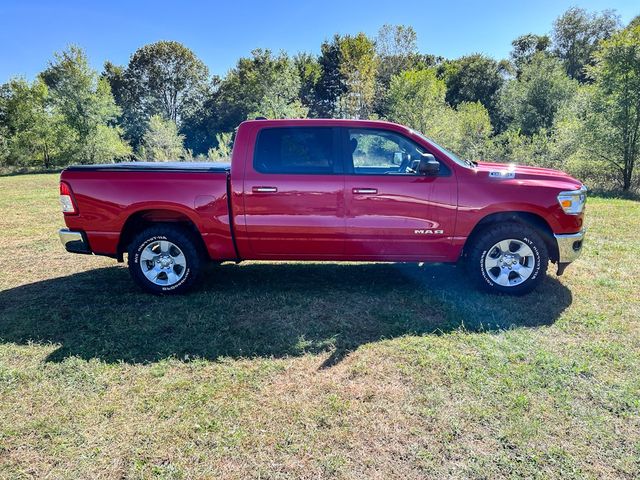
(161,142)
(33,132)
(525,47)
(281,90)
(358,68)
(529,103)
(65,116)
(473,130)
(331,84)
(397,51)
(309,72)
(103,145)
(576,35)
(86,106)
(474,78)
(605,126)
(263,85)
(4,145)
(163,78)
(512,146)
(222,153)
(79,95)
(417,99)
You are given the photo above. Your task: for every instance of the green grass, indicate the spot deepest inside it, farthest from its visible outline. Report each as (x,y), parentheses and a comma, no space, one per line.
(314,370)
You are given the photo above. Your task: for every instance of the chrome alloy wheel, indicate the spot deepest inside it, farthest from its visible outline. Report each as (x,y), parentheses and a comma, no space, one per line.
(509,262)
(163,263)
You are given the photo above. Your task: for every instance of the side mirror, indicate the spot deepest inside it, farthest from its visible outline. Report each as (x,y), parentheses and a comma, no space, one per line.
(428,165)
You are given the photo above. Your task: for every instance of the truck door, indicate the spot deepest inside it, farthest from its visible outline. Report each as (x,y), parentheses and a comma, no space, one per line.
(392,212)
(294,193)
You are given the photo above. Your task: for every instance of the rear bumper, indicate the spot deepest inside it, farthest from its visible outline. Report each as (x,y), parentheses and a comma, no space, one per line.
(74,242)
(569,246)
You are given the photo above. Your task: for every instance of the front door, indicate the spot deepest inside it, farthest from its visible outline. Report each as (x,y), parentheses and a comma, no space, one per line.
(392,212)
(294,194)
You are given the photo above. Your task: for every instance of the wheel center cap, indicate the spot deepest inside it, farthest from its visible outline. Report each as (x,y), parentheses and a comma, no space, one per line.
(509,259)
(165,261)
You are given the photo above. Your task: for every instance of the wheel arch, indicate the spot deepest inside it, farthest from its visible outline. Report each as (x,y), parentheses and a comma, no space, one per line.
(142,219)
(532,220)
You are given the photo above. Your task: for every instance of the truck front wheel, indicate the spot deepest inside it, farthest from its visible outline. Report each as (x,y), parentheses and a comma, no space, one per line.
(164,260)
(508,258)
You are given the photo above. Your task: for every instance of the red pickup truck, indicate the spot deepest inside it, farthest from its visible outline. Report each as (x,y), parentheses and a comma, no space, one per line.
(326,190)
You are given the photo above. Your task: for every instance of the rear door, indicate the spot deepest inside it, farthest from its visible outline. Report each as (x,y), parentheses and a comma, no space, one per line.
(393,213)
(294,193)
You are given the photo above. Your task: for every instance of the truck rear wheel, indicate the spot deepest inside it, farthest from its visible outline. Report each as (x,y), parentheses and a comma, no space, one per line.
(508,258)
(164,260)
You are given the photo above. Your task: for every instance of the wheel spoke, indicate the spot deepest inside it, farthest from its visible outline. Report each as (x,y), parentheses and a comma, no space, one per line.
(147,254)
(525,251)
(164,246)
(504,246)
(152,273)
(503,278)
(171,277)
(180,260)
(524,271)
(490,262)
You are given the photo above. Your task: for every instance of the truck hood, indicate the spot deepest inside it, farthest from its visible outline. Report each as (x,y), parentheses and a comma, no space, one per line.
(506,171)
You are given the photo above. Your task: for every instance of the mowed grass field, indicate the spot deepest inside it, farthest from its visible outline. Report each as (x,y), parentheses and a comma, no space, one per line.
(298,370)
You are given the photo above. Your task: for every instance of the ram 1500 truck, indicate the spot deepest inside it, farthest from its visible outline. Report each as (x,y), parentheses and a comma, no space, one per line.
(326,190)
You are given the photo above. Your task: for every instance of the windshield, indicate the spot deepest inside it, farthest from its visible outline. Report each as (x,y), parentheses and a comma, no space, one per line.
(449,153)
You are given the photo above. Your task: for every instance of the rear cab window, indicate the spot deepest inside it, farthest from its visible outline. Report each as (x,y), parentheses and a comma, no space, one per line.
(297,150)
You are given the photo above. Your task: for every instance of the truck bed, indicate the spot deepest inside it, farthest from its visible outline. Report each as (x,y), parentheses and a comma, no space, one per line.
(113,198)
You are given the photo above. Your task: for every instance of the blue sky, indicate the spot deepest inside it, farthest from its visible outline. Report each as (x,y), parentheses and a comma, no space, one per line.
(220,32)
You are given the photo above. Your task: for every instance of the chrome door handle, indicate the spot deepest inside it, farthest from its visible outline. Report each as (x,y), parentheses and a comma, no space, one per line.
(366,191)
(264,189)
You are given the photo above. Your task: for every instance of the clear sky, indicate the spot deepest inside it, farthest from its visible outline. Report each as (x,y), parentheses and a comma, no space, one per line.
(220,32)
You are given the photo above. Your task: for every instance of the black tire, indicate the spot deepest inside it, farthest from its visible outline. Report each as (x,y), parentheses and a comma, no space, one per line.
(183,240)
(483,246)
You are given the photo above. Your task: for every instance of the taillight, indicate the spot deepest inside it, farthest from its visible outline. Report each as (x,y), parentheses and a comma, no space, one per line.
(66,199)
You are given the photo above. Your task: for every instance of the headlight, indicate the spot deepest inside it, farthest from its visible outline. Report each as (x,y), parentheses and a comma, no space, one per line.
(572,202)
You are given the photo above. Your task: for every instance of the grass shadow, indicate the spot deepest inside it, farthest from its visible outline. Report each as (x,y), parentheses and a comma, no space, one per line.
(260,309)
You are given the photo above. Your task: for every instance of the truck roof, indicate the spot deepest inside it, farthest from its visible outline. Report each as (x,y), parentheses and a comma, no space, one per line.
(329,122)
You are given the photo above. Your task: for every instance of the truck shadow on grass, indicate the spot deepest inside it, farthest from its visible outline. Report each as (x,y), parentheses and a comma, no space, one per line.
(265,310)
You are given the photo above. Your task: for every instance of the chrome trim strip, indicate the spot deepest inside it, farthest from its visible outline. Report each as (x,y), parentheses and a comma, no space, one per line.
(566,252)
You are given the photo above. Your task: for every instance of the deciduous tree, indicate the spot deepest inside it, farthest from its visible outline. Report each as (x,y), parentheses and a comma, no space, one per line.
(474,78)
(525,47)
(576,34)
(87,106)
(530,102)
(612,120)
(358,68)
(161,142)
(34,133)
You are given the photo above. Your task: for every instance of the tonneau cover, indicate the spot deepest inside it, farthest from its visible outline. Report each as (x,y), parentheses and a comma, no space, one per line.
(156,167)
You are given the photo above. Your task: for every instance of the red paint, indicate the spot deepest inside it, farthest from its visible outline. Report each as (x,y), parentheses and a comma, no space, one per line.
(319,217)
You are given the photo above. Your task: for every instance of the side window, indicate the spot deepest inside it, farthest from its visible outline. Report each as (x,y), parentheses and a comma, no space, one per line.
(383,152)
(295,150)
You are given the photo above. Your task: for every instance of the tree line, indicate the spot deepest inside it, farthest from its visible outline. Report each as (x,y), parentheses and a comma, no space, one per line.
(569,99)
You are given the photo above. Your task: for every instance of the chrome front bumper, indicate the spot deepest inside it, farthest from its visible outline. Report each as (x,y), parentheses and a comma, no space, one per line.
(74,242)
(569,246)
